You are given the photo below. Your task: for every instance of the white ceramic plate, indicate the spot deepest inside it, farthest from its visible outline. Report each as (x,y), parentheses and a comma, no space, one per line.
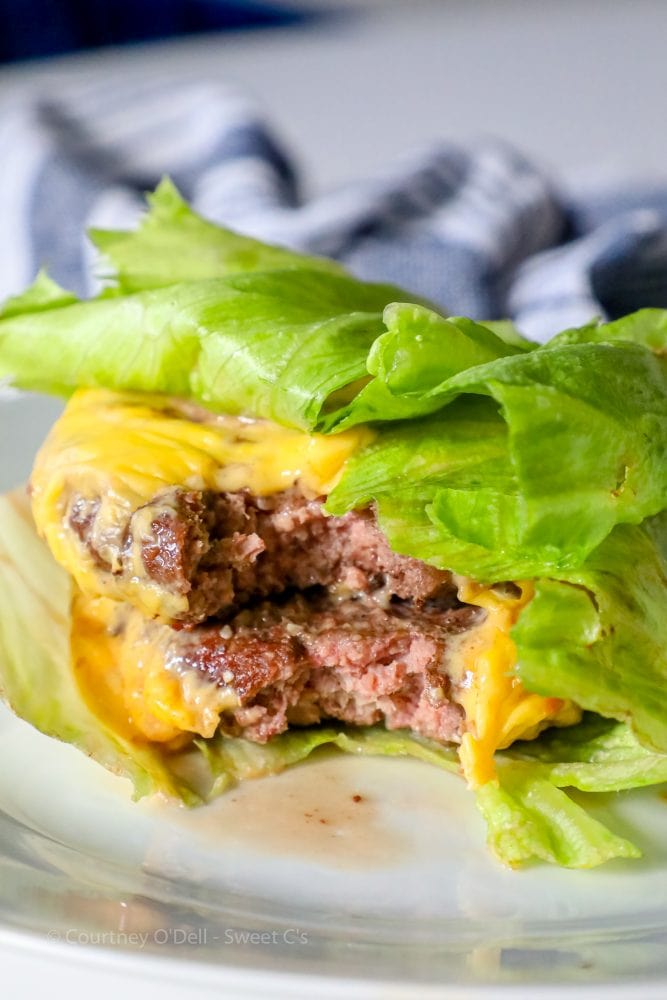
(288,887)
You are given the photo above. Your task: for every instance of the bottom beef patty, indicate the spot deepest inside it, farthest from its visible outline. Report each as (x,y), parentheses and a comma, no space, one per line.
(314,656)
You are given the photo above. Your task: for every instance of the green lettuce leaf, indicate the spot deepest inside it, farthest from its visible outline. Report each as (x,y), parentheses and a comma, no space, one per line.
(529,819)
(288,345)
(42,295)
(36,680)
(529,816)
(578,432)
(599,634)
(507,331)
(414,362)
(174,244)
(578,435)
(232,759)
(458,456)
(597,755)
(646,326)
(274,343)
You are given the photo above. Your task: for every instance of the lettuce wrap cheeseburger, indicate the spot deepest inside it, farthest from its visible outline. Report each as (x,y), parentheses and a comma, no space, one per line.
(285,508)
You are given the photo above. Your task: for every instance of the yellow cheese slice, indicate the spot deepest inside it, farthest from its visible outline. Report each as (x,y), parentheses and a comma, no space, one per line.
(126,449)
(498,708)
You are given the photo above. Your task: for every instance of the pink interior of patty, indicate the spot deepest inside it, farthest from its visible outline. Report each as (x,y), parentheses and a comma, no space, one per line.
(318,657)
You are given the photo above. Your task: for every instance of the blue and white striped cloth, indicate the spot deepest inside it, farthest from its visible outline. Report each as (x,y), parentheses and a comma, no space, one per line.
(480,230)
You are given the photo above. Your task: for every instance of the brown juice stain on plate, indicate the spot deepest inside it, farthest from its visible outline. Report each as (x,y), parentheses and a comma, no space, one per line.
(315,811)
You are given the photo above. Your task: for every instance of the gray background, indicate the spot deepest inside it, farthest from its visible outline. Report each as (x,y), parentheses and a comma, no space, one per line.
(579,84)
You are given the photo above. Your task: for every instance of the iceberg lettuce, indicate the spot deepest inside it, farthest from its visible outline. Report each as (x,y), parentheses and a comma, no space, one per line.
(36,678)
(174,244)
(599,634)
(577,428)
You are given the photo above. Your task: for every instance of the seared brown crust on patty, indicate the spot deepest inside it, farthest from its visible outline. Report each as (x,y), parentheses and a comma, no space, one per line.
(314,657)
(222,550)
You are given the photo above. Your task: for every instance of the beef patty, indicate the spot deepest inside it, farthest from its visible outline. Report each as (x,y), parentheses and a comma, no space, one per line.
(314,656)
(219,551)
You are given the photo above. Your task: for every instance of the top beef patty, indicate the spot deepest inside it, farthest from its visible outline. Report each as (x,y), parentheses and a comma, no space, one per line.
(215,552)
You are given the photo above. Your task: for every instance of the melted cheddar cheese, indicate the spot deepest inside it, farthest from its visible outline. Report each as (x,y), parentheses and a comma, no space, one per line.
(497,707)
(119,451)
(125,680)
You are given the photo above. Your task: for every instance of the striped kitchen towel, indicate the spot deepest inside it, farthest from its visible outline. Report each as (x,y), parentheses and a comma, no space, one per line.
(480,230)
